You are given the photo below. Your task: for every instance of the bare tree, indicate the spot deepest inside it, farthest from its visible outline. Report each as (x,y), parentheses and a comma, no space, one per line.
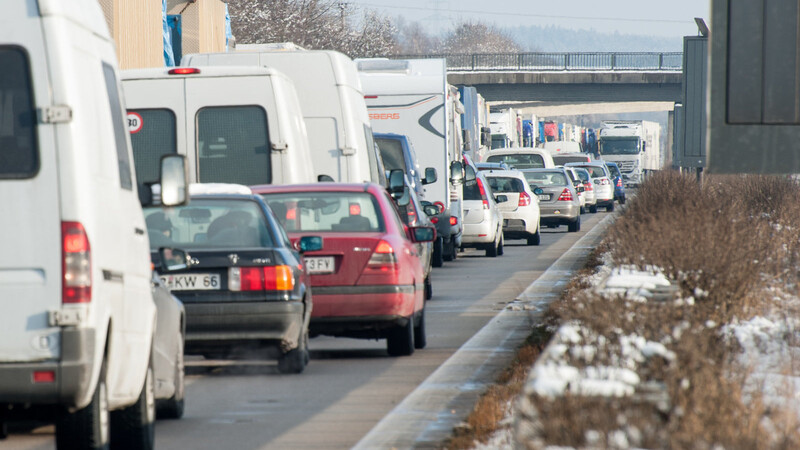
(413,40)
(313,24)
(475,37)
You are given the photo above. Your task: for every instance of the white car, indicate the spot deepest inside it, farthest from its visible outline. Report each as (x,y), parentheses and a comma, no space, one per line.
(521,211)
(601,182)
(578,183)
(522,158)
(588,189)
(483,221)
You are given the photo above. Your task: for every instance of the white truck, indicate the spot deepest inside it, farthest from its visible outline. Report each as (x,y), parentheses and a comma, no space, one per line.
(412,97)
(503,126)
(78,318)
(634,145)
(332,103)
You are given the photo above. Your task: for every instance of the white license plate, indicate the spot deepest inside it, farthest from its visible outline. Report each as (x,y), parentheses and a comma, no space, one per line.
(192,282)
(545,197)
(319,264)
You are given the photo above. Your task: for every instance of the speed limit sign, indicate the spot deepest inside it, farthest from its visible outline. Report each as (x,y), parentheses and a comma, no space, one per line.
(135,122)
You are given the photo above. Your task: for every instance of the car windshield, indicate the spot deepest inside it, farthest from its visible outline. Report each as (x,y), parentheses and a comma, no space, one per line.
(209,224)
(549,178)
(326,211)
(505,184)
(519,160)
(392,154)
(619,146)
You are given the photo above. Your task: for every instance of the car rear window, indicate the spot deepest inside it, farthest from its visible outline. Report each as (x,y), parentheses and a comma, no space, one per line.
(560,160)
(152,136)
(233,145)
(542,179)
(392,153)
(594,171)
(505,184)
(19,156)
(326,211)
(209,224)
(519,160)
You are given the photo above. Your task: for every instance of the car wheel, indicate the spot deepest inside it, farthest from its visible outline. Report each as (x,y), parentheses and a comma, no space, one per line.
(420,340)
(583,210)
(500,247)
(295,360)
(491,249)
(536,238)
(174,406)
(622,200)
(574,226)
(400,341)
(437,258)
(428,288)
(134,427)
(610,207)
(88,427)
(593,208)
(449,250)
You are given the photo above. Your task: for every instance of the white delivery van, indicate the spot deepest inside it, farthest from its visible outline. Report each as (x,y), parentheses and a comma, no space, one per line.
(412,97)
(332,102)
(77,315)
(238,125)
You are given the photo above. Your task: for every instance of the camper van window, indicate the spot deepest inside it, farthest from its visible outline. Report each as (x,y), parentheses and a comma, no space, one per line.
(376,168)
(123,159)
(18,149)
(152,137)
(233,145)
(392,154)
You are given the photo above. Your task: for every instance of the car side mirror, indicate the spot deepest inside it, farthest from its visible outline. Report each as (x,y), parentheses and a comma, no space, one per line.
(456,172)
(580,189)
(430,210)
(173,259)
(396,183)
(430,176)
(309,244)
(469,174)
(538,191)
(174,176)
(324,178)
(423,234)
(501,198)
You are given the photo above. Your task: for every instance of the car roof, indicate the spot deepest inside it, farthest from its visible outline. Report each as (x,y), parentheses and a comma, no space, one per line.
(218,189)
(516,150)
(503,173)
(315,187)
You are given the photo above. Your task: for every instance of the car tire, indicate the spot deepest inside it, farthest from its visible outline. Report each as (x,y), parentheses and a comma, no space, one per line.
(437,256)
(295,360)
(610,207)
(575,226)
(593,208)
(428,288)
(536,238)
(89,427)
(134,427)
(500,246)
(420,339)
(400,341)
(622,200)
(491,249)
(449,250)
(583,210)
(173,407)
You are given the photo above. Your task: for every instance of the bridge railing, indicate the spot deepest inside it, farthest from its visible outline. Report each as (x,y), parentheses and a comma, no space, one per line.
(666,61)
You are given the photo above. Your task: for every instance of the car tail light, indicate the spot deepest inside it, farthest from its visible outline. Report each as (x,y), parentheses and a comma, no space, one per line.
(264,278)
(44,376)
(383,258)
(483,194)
(524,199)
(453,221)
(619,182)
(588,186)
(184,71)
(76,264)
(604,182)
(434,220)
(566,196)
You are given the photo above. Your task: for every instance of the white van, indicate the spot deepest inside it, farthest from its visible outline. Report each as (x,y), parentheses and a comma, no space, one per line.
(412,97)
(77,316)
(559,147)
(333,106)
(238,125)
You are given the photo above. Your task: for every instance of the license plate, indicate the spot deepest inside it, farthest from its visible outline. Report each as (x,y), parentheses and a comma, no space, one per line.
(319,264)
(545,197)
(192,282)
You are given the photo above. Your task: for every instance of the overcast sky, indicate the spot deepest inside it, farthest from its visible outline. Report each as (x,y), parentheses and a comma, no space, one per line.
(661,18)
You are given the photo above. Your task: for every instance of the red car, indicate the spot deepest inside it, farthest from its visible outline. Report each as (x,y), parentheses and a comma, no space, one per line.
(367,281)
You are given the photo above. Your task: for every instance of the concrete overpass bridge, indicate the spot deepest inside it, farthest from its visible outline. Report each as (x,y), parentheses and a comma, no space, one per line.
(526,79)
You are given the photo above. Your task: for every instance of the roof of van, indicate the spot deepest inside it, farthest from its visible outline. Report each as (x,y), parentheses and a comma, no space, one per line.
(380,76)
(205,72)
(516,150)
(87,13)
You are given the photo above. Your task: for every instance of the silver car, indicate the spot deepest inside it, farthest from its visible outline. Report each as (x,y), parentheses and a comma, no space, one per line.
(558,203)
(168,367)
(483,221)
(601,181)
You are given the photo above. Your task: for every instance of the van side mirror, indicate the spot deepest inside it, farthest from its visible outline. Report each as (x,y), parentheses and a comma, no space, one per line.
(324,178)
(404,198)
(423,234)
(396,183)
(309,244)
(430,176)
(174,176)
(456,172)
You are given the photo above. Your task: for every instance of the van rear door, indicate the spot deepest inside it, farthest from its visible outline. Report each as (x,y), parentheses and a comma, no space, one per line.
(30,228)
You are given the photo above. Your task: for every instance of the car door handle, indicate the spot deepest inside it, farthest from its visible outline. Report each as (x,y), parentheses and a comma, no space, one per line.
(138,231)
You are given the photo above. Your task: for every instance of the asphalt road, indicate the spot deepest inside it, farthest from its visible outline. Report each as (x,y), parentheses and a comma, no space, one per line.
(349,385)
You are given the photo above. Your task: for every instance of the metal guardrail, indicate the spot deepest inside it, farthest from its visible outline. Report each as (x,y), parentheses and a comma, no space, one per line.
(672,61)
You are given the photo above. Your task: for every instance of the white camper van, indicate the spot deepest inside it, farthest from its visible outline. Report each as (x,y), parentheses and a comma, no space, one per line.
(332,102)
(235,124)
(412,97)
(77,315)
